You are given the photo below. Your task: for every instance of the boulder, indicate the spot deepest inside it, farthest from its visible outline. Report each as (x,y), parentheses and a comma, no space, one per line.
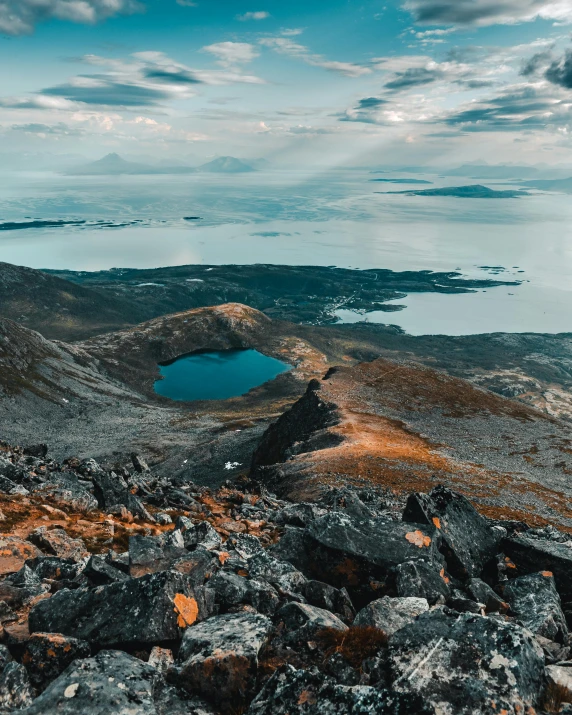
(201,534)
(336,600)
(467,664)
(198,565)
(352,553)
(535,602)
(15,690)
(19,588)
(280,574)
(298,514)
(303,622)
(560,676)
(112,682)
(294,547)
(231,590)
(47,655)
(481,592)
(154,608)
(527,555)
(55,541)
(418,579)
(148,554)
(111,490)
(219,658)
(14,553)
(309,692)
(391,614)
(65,490)
(469,542)
(54,568)
(100,573)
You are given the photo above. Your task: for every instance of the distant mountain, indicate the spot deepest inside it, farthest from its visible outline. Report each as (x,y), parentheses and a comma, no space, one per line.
(114,165)
(227,165)
(497,171)
(475,191)
(562,185)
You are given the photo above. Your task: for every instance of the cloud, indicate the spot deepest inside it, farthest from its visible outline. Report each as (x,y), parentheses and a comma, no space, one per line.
(487,12)
(19,17)
(515,108)
(535,63)
(42,130)
(414,77)
(260,15)
(146,79)
(232,53)
(560,71)
(186,3)
(285,46)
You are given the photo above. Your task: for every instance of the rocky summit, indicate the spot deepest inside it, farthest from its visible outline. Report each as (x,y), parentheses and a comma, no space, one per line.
(123,592)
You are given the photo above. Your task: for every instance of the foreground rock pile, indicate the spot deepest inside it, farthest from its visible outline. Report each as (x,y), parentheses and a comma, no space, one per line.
(123,593)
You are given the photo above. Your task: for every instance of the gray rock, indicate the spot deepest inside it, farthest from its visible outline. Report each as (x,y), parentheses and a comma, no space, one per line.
(100,573)
(302,622)
(65,490)
(418,579)
(149,609)
(356,554)
(483,593)
(303,692)
(111,683)
(280,574)
(534,555)
(464,664)
(47,655)
(469,542)
(219,658)
(15,690)
(246,545)
(298,514)
(202,534)
(535,602)
(391,614)
(148,554)
(336,600)
(231,590)
(56,542)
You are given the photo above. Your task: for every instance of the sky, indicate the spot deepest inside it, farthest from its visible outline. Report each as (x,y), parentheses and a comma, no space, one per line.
(303,82)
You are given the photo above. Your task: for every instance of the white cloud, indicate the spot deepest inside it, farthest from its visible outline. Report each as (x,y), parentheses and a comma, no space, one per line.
(284,46)
(19,17)
(487,12)
(260,15)
(232,53)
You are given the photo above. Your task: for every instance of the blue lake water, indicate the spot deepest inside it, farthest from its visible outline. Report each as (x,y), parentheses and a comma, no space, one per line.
(309,218)
(217,375)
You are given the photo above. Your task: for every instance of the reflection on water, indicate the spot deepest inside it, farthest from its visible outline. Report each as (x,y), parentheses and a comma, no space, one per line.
(216,375)
(307,219)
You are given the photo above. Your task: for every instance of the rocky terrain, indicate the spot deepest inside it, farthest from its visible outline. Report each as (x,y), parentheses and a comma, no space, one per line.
(123,592)
(385,528)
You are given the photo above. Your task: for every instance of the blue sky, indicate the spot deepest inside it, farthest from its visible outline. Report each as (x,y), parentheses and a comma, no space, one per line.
(300,82)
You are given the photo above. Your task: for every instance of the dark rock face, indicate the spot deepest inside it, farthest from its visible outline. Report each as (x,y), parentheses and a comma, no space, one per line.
(219,658)
(466,663)
(47,655)
(150,609)
(303,622)
(533,555)
(468,540)
(418,579)
(303,692)
(347,552)
(58,543)
(481,592)
(112,682)
(15,690)
(535,602)
(391,614)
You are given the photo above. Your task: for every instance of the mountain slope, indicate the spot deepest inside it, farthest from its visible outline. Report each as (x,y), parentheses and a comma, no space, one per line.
(227,165)
(407,427)
(58,308)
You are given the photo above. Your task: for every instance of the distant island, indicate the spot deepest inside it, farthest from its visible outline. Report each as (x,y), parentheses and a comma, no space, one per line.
(227,165)
(562,185)
(403,181)
(115,165)
(475,191)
